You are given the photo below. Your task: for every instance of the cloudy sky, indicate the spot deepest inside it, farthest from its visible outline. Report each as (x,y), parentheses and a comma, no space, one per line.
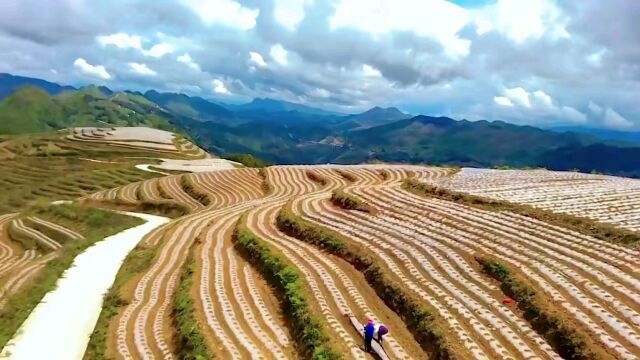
(540,62)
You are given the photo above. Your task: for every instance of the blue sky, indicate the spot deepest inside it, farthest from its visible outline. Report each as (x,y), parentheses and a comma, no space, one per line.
(540,62)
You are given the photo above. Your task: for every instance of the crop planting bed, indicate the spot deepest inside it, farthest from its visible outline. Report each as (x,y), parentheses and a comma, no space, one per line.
(608,199)
(428,250)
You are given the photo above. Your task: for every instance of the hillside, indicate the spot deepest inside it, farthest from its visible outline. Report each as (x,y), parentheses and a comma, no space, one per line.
(10,83)
(288,133)
(31,109)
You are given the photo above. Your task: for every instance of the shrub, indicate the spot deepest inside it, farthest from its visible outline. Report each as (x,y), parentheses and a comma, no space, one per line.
(285,279)
(267,188)
(187,185)
(317,178)
(423,321)
(350,202)
(247,160)
(347,175)
(569,341)
(191,343)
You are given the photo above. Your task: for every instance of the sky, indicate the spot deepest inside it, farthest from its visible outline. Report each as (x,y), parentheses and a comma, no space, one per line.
(537,62)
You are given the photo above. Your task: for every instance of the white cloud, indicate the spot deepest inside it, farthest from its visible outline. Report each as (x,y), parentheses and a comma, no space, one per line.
(370,71)
(225,12)
(501,100)
(570,114)
(542,99)
(537,104)
(187,60)
(289,13)
(521,20)
(518,96)
(257,58)
(279,54)
(142,69)
(96,71)
(595,108)
(121,40)
(219,87)
(320,93)
(614,120)
(159,50)
(437,19)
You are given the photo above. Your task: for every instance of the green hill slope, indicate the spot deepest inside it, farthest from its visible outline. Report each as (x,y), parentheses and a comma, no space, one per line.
(30,109)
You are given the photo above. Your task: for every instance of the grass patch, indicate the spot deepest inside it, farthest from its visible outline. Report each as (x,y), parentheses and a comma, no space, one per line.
(247,160)
(136,262)
(266,186)
(317,178)
(167,208)
(423,321)
(308,331)
(191,343)
(187,185)
(545,318)
(350,202)
(347,175)
(582,225)
(97,224)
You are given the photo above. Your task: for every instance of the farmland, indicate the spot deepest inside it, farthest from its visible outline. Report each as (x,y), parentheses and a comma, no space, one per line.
(288,261)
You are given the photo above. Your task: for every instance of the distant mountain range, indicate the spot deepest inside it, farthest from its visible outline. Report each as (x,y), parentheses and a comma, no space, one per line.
(284,132)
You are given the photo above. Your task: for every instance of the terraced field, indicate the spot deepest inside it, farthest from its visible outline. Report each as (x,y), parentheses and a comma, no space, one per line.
(607,199)
(289,261)
(434,254)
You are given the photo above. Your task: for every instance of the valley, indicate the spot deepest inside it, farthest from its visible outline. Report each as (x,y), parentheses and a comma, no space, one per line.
(288,261)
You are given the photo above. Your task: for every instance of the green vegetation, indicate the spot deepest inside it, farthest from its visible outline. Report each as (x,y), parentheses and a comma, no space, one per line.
(137,262)
(584,226)
(191,343)
(423,321)
(308,331)
(168,208)
(317,178)
(30,109)
(559,330)
(38,169)
(350,202)
(247,160)
(347,175)
(187,185)
(93,224)
(267,188)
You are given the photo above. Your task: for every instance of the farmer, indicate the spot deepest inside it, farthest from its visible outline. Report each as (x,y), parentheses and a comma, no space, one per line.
(382,330)
(369,330)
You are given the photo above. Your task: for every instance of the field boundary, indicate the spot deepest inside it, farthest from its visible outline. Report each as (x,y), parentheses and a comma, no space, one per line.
(419,319)
(582,225)
(289,285)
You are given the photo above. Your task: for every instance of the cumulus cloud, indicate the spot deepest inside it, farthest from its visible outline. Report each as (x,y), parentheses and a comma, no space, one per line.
(257,59)
(159,50)
(121,40)
(227,12)
(289,13)
(502,100)
(616,121)
(219,87)
(370,71)
(518,96)
(95,71)
(142,69)
(187,60)
(431,56)
(279,54)
(538,104)
(437,19)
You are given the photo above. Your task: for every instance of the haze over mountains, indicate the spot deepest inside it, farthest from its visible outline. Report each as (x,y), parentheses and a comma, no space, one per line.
(284,132)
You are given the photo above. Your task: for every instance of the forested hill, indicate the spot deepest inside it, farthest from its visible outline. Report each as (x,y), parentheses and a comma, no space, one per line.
(282,132)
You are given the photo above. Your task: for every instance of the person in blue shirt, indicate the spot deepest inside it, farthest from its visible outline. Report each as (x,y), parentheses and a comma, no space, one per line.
(369,330)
